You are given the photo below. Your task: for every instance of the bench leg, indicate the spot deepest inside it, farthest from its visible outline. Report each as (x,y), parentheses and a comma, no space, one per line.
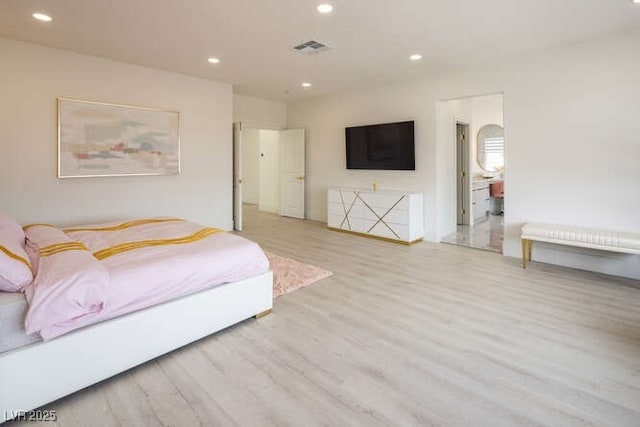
(529,246)
(525,245)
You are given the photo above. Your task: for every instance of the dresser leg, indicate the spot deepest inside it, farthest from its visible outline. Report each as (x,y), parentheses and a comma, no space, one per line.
(264,313)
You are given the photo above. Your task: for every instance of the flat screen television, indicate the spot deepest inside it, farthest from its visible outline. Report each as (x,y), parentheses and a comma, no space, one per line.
(387,146)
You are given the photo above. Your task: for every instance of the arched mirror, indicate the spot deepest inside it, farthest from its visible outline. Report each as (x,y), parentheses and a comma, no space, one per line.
(490,148)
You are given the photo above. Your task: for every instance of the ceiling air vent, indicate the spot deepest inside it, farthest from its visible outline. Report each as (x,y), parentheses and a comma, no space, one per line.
(311,47)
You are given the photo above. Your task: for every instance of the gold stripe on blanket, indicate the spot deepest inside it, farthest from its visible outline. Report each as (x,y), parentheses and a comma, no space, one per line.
(36,225)
(129,246)
(56,248)
(10,254)
(122,226)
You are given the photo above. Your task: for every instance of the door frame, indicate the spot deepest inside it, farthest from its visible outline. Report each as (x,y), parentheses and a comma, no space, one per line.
(236,176)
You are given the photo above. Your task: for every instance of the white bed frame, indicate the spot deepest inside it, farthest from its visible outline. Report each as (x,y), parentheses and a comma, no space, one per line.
(42,372)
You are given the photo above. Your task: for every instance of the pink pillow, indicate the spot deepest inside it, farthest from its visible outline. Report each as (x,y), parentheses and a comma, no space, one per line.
(15,268)
(70,284)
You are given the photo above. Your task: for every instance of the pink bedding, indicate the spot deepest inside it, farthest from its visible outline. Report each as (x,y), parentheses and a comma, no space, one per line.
(152,261)
(69,284)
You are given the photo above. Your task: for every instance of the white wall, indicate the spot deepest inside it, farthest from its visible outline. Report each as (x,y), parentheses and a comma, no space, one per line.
(33,77)
(448,113)
(325,119)
(269,171)
(572,149)
(259,113)
(250,165)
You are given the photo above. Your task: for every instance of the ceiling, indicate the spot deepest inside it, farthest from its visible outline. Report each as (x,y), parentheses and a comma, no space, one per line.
(371,40)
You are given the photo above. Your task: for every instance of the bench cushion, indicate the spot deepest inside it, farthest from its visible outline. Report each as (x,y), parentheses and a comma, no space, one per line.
(582,236)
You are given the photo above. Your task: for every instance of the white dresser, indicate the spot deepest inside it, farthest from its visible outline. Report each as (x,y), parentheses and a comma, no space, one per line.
(390,215)
(480,200)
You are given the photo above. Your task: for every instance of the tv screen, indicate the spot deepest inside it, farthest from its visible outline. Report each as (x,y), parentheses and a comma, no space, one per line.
(387,146)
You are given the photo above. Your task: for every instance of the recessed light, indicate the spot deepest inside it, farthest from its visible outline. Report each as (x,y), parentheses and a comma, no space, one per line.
(416,57)
(214,60)
(42,17)
(306,84)
(325,8)
(636,1)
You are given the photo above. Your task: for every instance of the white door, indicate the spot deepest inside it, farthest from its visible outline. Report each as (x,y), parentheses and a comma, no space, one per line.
(237,176)
(462,180)
(292,173)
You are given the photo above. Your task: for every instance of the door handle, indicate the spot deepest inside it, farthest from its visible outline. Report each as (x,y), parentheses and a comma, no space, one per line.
(300,178)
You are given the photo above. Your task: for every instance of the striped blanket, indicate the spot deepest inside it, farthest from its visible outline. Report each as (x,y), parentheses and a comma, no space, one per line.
(91,273)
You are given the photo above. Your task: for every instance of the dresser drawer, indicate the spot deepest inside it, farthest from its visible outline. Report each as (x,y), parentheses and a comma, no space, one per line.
(382,230)
(334,220)
(481,185)
(336,196)
(352,224)
(394,216)
(386,201)
(357,210)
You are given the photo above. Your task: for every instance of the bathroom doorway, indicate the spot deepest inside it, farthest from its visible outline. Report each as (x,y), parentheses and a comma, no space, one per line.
(477,130)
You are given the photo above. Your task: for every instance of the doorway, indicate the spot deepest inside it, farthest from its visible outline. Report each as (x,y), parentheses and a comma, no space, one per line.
(268,171)
(478,134)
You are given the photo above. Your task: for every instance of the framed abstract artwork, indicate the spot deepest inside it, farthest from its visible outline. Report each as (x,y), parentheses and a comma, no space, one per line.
(101,139)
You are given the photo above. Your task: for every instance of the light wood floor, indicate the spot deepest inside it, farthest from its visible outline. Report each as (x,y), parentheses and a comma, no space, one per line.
(430,334)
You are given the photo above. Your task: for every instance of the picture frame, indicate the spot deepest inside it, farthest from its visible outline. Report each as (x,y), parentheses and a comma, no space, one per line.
(100,139)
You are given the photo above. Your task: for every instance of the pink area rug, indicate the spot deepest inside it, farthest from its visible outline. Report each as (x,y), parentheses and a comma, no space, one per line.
(289,274)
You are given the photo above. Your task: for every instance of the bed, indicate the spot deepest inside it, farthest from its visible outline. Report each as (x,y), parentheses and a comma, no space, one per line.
(37,372)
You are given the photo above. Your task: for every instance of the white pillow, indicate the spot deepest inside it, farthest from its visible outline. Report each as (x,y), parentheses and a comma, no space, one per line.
(15,267)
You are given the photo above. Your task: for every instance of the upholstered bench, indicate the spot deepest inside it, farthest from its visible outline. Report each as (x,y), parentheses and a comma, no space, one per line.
(593,238)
